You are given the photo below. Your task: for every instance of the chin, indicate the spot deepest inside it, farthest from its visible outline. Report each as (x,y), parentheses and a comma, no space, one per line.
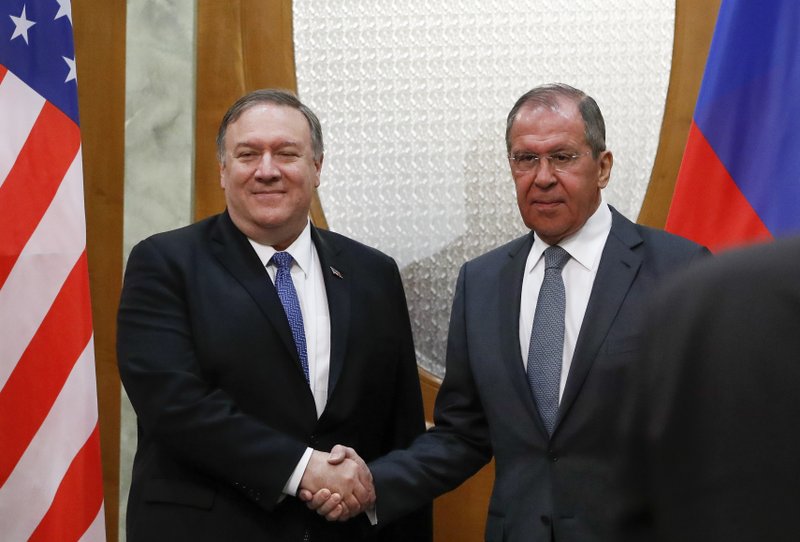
(550,235)
(544,226)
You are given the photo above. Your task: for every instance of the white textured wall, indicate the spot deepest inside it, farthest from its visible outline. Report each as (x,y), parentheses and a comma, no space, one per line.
(413,98)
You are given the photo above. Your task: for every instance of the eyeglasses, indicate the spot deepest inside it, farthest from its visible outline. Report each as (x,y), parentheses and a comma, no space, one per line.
(526,162)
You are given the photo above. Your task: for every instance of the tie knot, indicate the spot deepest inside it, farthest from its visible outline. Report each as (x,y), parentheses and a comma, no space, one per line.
(282,260)
(555,257)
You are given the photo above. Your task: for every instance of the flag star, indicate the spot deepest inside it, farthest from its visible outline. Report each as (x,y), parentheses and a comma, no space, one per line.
(71,76)
(22,25)
(64,10)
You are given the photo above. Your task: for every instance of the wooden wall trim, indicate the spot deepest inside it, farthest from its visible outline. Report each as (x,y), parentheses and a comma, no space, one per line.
(694,28)
(99,29)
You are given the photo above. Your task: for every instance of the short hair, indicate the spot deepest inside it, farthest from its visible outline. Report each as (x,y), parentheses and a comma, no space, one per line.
(548,96)
(271,96)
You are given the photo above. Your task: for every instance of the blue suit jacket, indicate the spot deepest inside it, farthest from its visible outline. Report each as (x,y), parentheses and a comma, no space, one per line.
(545,487)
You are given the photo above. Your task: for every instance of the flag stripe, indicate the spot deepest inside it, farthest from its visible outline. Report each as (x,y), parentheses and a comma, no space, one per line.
(20,106)
(78,499)
(48,151)
(26,496)
(42,268)
(44,367)
(714,211)
(96,531)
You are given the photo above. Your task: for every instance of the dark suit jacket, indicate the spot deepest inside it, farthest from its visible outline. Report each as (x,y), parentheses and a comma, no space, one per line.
(224,413)
(716,419)
(544,487)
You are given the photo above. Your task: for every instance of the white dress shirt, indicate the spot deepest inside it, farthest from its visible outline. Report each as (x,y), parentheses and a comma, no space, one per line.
(310,285)
(585,248)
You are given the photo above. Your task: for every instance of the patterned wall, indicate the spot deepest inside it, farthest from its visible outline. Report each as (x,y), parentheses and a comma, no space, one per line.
(413,98)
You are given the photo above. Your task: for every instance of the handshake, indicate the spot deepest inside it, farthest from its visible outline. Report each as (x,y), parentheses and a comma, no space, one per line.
(337,485)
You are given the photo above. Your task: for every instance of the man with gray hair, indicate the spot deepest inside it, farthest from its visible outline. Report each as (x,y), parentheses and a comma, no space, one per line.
(543,333)
(251,342)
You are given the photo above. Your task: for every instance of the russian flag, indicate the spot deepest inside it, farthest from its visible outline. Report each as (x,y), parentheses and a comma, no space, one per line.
(739,181)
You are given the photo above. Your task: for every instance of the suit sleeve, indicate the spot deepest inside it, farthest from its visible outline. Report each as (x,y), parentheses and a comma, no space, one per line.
(181,413)
(452,451)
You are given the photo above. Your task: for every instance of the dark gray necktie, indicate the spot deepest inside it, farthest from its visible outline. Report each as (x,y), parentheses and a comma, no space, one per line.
(547,338)
(291,305)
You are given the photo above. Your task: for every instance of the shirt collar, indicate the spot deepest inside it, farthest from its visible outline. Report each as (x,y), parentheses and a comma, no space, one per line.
(584,246)
(300,250)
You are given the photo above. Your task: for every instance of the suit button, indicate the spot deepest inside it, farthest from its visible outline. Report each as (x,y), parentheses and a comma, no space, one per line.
(553,457)
(545,520)
(313,440)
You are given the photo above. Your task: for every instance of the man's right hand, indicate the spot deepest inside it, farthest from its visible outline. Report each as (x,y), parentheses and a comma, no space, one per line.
(337,485)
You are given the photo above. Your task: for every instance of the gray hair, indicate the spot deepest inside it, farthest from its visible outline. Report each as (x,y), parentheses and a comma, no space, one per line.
(270,96)
(548,96)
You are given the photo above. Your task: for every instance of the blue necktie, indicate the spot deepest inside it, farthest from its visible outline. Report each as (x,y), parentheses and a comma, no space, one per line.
(547,338)
(288,296)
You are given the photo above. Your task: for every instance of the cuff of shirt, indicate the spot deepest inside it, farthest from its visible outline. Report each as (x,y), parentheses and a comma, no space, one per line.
(293,483)
(372,515)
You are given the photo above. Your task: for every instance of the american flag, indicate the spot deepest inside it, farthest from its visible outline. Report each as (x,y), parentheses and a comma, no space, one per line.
(50,471)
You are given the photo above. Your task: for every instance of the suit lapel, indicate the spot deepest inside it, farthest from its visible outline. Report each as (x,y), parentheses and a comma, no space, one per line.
(511,276)
(234,252)
(618,268)
(337,276)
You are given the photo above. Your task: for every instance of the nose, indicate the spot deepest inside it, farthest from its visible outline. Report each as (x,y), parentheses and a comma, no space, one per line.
(267,168)
(544,175)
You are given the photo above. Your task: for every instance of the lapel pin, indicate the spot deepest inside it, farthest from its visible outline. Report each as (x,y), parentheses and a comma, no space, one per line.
(336,272)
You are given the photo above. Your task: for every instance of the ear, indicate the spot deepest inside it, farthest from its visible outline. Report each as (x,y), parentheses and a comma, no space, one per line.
(605,163)
(222,175)
(318,167)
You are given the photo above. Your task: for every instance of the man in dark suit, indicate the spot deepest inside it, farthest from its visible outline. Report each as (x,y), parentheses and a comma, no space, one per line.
(251,342)
(714,425)
(546,407)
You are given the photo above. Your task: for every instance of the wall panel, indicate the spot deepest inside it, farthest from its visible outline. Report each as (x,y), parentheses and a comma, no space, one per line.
(413,98)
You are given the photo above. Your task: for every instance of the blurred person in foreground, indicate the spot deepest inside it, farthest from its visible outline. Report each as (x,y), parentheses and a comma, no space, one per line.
(712,430)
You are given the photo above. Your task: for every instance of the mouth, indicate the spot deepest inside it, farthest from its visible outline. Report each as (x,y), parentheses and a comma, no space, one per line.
(267,195)
(546,205)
